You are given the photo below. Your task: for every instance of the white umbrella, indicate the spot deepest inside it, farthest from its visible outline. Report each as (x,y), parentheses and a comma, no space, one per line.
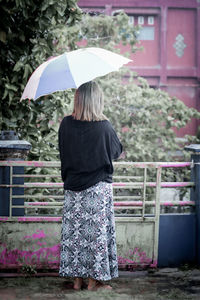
(70,70)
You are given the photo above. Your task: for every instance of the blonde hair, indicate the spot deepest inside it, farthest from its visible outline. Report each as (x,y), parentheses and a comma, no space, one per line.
(89,103)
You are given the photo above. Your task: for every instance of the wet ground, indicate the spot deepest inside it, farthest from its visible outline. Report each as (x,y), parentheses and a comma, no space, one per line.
(167,283)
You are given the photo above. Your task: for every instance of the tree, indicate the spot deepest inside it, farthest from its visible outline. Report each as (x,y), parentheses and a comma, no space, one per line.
(26,40)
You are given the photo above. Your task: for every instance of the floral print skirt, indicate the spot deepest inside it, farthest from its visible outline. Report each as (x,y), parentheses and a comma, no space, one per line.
(88,240)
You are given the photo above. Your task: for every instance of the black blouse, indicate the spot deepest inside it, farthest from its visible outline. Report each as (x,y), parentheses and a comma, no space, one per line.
(86,152)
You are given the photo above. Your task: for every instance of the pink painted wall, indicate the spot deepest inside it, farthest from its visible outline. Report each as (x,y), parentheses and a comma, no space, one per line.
(149,55)
(181,21)
(164,62)
(188,94)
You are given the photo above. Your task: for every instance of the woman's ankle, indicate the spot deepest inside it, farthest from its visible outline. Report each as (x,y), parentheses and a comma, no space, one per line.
(78,283)
(94,285)
(92,282)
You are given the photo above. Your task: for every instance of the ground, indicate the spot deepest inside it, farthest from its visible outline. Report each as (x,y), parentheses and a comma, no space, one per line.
(161,284)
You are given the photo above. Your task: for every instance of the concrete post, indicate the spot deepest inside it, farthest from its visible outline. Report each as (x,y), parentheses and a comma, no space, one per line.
(195,192)
(11,148)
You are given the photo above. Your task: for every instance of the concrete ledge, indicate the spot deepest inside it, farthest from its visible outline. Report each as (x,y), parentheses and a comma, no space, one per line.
(36,242)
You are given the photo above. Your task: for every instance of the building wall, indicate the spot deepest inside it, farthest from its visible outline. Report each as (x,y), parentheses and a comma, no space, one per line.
(170,37)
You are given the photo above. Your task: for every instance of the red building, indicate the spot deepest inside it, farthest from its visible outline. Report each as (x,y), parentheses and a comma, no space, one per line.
(170,36)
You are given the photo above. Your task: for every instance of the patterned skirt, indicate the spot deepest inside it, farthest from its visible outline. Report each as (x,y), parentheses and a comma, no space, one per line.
(88,239)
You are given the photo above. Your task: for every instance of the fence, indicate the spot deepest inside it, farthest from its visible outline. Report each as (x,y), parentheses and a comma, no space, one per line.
(137,210)
(139,203)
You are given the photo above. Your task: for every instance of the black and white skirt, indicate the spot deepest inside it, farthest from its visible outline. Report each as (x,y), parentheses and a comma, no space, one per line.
(88,239)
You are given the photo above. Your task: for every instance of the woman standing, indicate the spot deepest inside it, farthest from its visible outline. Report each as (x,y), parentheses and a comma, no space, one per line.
(87,145)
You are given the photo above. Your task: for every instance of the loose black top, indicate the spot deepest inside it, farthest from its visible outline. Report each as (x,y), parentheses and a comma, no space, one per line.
(86,152)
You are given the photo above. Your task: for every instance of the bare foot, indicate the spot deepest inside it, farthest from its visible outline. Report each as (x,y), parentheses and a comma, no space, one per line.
(95,285)
(78,281)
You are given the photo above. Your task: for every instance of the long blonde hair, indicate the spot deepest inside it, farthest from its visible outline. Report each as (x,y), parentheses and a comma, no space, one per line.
(89,103)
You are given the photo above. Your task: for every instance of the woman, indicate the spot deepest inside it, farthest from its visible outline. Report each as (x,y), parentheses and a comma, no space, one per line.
(87,145)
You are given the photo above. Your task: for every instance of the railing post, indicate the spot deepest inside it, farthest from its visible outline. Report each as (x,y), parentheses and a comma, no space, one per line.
(11,148)
(157,215)
(195,192)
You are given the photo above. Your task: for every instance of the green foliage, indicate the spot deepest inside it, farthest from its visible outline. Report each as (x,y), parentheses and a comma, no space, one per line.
(143,117)
(108,32)
(26,40)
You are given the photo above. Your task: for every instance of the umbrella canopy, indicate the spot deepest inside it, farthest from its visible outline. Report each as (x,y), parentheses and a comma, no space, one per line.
(70,70)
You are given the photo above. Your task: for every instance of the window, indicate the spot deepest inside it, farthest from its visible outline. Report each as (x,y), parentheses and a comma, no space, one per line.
(150,20)
(146,34)
(131,20)
(140,20)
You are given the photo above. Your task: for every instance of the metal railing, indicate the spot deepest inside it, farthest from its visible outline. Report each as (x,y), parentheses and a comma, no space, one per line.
(131,192)
(122,201)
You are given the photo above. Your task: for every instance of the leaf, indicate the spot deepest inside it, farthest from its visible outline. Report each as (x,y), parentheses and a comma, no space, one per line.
(18,66)
(11,87)
(3,37)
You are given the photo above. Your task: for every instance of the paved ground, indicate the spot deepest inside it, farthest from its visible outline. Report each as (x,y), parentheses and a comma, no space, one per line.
(169,284)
